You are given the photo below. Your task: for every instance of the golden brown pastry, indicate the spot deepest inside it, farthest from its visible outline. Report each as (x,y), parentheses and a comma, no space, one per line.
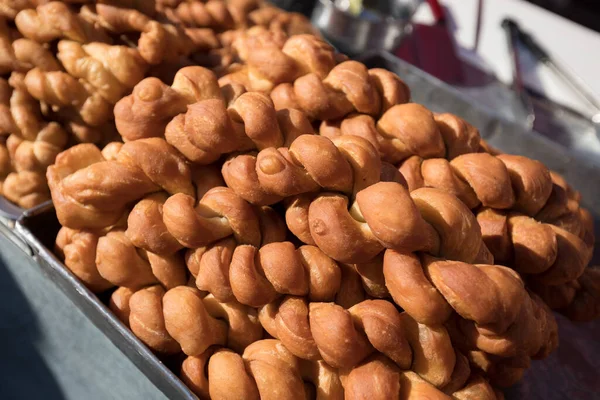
(78,251)
(57,88)
(347,164)
(410,130)
(347,88)
(92,193)
(147,111)
(54,20)
(270,59)
(111,70)
(266,370)
(157,42)
(210,128)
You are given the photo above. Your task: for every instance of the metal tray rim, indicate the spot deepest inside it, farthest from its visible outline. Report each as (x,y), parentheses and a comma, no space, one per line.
(85,300)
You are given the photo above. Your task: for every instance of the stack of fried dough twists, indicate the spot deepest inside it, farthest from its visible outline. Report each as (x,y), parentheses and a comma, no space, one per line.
(278,221)
(64,65)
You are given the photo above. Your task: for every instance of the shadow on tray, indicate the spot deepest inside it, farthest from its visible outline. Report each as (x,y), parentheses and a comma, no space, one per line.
(23,372)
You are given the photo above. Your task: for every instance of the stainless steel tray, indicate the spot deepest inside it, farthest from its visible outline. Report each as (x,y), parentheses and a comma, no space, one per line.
(38,228)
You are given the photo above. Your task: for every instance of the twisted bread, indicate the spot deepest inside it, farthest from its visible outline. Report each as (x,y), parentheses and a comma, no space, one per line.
(7,123)
(348,165)
(145,226)
(379,378)
(54,20)
(502,372)
(34,143)
(60,89)
(219,214)
(217,15)
(25,118)
(266,370)
(27,189)
(157,42)
(348,87)
(409,129)
(147,7)
(428,288)
(148,110)
(119,262)
(231,271)
(344,338)
(5,165)
(91,193)
(37,155)
(119,304)
(209,129)
(83,133)
(147,321)
(270,61)
(291,23)
(110,70)
(197,323)
(8,61)
(31,54)
(579,299)
(556,252)
(10,8)
(78,251)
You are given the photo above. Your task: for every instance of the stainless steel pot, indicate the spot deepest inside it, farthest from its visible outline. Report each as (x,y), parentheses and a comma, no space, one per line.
(379,26)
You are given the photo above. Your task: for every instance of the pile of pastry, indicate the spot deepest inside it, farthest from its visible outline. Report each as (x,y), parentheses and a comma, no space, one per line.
(282,222)
(65,64)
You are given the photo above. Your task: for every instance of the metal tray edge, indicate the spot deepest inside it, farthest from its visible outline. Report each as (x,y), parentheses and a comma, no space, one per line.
(165,380)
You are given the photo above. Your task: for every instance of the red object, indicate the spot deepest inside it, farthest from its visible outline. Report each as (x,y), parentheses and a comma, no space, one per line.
(431,48)
(437,11)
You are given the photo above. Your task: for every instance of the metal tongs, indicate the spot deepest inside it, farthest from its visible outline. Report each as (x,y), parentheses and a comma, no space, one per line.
(516,34)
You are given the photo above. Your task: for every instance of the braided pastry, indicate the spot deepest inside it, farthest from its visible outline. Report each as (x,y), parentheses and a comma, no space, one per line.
(78,251)
(92,193)
(111,70)
(269,60)
(25,117)
(379,378)
(119,262)
(209,129)
(7,124)
(555,251)
(5,166)
(54,20)
(157,42)
(30,54)
(579,299)
(192,321)
(27,189)
(10,8)
(214,14)
(147,111)
(60,89)
(348,88)
(227,270)
(348,165)
(428,288)
(8,61)
(219,214)
(409,129)
(37,155)
(344,338)
(266,370)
